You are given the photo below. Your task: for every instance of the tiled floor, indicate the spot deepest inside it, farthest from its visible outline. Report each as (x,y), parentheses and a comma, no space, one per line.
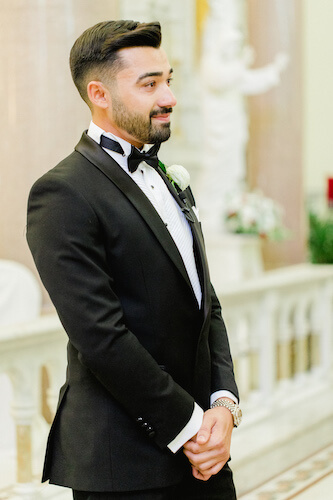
(312,479)
(323,490)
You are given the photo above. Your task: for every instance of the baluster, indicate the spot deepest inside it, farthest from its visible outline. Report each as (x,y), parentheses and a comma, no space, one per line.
(23,410)
(326,342)
(268,347)
(56,370)
(244,360)
(254,351)
(301,345)
(315,322)
(285,345)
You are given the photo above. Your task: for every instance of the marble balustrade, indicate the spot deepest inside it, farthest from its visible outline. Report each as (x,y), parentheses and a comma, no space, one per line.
(281,334)
(280,330)
(33,357)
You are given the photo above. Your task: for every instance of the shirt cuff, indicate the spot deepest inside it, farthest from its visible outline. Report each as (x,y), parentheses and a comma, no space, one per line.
(190,429)
(223,394)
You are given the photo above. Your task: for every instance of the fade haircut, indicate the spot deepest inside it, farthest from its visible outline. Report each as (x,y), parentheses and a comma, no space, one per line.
(95,54)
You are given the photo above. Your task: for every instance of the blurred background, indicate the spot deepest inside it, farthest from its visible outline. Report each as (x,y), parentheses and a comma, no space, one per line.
(253,126)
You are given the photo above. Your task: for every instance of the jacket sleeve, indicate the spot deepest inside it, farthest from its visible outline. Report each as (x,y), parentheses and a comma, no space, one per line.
(222,375)
(65,238)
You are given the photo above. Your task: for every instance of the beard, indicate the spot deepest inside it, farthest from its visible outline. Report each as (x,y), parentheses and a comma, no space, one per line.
(140,126)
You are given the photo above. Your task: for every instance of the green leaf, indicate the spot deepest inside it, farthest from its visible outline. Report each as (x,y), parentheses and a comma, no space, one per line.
(162,166)
(320,239)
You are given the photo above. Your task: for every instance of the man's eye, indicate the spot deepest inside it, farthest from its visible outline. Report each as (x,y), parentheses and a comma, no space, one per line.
(150,84)
(169,81)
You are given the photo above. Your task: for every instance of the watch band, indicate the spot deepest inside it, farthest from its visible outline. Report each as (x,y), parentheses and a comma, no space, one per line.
(234,409)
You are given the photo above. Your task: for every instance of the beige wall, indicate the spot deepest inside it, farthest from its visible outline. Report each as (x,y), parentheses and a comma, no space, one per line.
(42,114)
(318,94)
(275,162)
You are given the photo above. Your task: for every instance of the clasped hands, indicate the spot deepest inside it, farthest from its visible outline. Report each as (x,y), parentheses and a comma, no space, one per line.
(209,449)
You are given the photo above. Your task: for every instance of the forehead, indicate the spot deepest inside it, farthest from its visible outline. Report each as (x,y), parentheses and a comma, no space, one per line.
(141,60)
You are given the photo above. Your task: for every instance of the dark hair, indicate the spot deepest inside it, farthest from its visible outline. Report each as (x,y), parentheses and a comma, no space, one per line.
(96,50)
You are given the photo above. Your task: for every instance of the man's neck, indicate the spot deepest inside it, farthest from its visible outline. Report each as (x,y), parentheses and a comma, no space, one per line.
(95,132)
(106,126)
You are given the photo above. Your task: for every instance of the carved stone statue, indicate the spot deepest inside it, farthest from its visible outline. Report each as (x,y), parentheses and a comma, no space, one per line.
(226,79)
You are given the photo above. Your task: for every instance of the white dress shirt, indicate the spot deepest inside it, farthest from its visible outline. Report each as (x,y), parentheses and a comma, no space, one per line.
(153,186)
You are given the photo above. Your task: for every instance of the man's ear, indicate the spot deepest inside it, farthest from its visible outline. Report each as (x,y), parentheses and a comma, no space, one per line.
(98,94)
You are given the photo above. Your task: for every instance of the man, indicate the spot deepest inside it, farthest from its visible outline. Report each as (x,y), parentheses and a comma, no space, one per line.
(120,251)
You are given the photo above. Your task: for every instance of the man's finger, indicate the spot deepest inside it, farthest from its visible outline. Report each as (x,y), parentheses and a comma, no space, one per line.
(198,475)
(203,436)
(206,429)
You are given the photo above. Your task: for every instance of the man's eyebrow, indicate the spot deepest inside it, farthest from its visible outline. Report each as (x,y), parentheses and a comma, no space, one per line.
(152,73)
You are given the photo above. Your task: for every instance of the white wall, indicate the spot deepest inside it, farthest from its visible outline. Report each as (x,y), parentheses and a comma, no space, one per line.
(318,94)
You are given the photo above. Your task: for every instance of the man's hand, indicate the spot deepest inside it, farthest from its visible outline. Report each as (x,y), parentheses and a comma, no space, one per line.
(209,449)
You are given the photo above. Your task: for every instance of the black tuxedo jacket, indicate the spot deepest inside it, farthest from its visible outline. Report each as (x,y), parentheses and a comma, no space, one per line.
(140,350)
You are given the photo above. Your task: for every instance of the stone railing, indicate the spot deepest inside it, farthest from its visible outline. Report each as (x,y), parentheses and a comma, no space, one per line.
(33,358)
(280,329)
(281,334)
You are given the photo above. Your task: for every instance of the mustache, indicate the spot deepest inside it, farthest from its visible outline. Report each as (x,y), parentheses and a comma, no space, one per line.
(161,111)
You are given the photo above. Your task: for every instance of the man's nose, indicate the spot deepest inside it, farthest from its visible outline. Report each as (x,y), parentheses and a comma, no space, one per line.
(167,98)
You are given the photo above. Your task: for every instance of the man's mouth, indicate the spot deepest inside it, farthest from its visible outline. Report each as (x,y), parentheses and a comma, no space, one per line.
(163,115)
(162,118)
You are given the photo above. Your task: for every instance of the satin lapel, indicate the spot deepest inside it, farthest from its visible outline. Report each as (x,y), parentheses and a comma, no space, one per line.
(100,159)
(185,205)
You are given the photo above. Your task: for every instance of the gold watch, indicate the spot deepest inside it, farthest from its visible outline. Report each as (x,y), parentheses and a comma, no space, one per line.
(234,409)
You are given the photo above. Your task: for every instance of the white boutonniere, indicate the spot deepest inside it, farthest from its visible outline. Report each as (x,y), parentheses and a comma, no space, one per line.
(177,174)
(180,179)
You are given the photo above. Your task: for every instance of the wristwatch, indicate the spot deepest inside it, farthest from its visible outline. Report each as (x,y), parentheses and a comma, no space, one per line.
(234,409)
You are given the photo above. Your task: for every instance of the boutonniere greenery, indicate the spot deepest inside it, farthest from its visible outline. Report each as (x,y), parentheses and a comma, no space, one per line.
(177,174)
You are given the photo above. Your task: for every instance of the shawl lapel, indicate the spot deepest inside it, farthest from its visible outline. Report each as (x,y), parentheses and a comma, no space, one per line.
(185,200)
(202,374)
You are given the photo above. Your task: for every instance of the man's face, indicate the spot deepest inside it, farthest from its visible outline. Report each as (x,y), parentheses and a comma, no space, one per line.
(141,98)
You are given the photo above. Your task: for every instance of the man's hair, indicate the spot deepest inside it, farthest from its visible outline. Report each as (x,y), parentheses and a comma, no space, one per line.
(95,54)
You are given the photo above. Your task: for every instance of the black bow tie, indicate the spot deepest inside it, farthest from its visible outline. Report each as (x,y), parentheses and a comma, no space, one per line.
(136,156)
(150,157)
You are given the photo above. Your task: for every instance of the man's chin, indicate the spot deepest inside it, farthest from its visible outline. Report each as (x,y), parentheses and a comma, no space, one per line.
(162,134)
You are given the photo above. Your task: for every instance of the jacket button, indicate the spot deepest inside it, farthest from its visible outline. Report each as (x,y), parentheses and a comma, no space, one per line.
(151,434)
(139,420)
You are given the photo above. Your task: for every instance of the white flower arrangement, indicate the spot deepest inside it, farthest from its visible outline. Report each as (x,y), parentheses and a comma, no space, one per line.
(253,213)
